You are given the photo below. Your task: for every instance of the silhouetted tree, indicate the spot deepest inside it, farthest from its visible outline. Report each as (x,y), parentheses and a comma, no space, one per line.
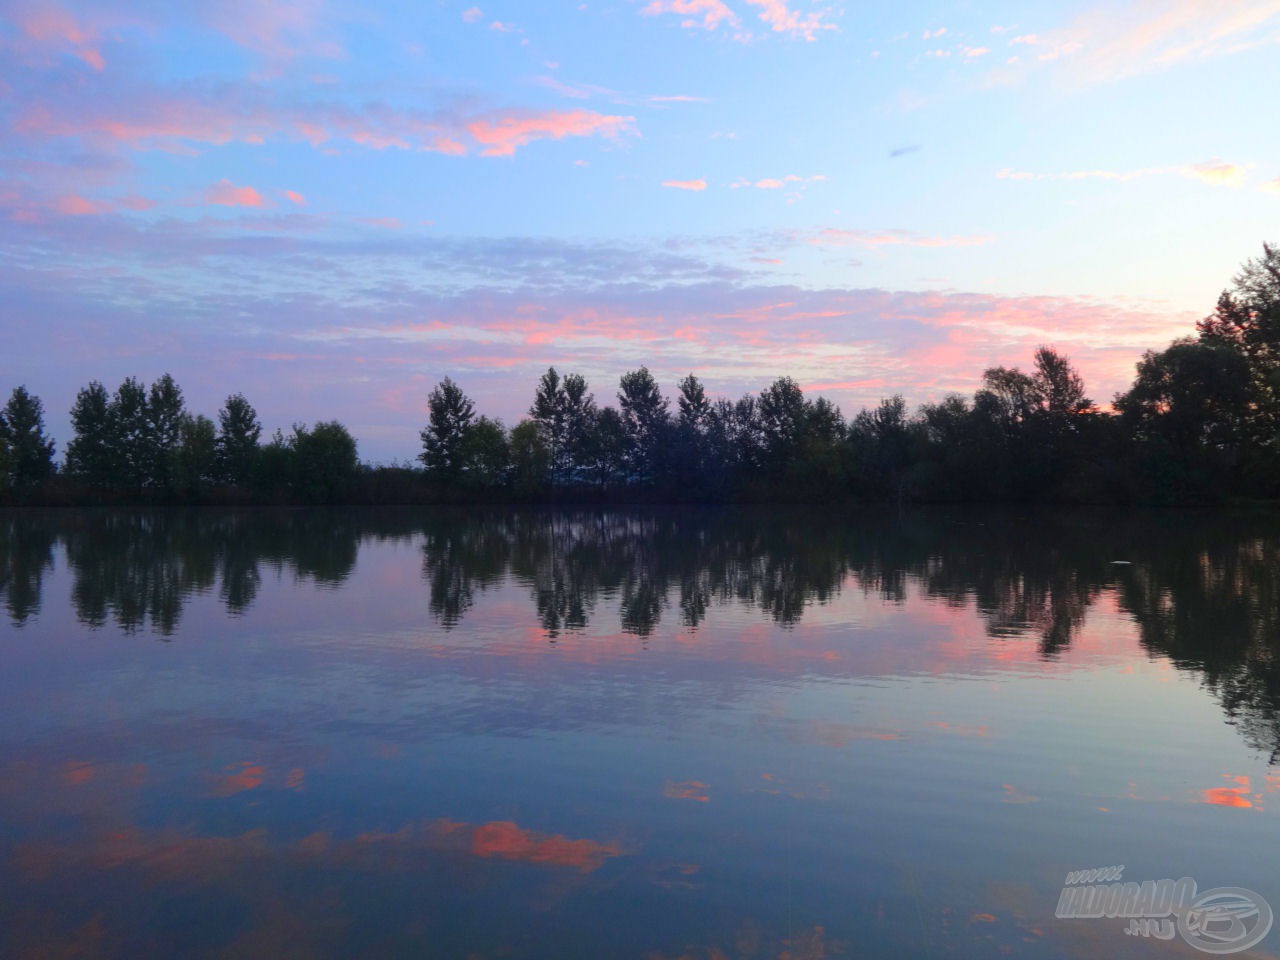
(92,455)
(450,413)
(644,417)
(26,453)
(325,461)
(195,462)
(486,454)
(238,434)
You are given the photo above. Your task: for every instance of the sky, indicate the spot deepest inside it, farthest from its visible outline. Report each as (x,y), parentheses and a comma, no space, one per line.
(331,206)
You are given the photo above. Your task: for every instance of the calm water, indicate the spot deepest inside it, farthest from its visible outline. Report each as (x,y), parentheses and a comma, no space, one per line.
(703,734)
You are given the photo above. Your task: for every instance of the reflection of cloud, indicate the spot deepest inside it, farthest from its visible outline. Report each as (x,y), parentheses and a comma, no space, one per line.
(688,790)
(506,841)
(1237,795)
(242,777)
(1013,795)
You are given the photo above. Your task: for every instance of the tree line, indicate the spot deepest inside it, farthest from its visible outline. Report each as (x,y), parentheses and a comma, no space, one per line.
(1200,423)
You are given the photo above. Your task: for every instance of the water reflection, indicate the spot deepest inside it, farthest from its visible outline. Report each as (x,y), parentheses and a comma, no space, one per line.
(663,733)
(1203,588)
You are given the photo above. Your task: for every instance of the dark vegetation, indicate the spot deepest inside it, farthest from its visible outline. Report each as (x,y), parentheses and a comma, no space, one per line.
(1200,424)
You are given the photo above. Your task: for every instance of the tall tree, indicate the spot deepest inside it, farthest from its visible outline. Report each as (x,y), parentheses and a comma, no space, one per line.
(579,418)
(644,416)
(28,453)
(238,434)
(165,412)
(1059,389)
(195,461)
(1247,319)
(92,453)
(548,416)
(694,407)
(449,416)
(130,433)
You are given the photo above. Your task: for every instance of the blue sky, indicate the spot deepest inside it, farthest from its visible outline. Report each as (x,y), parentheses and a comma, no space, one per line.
(331,206)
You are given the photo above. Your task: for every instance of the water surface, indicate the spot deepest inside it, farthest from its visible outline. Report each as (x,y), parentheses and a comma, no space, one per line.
(654,733)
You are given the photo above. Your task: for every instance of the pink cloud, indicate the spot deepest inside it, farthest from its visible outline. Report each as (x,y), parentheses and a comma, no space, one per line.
(706,14)
(75,206)
(280,30)
(48,25)
(226,194)
(1106,43)
(472,15)
(778,17)
(501,134)
(695,185)
(296,198)
(171,120)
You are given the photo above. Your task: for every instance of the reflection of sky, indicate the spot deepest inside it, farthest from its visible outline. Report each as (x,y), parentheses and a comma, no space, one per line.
(686,790)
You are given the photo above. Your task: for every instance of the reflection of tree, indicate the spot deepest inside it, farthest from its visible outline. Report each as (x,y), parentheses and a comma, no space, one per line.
(26,551)
(139,567)
(1209,599)
(1203,589)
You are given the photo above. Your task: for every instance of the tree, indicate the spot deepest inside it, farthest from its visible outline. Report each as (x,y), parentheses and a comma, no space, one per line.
(195,461)
(1008,393)
(548,417)
(1059,390)
(782,422)
(530,458)
(486,454)
(92,454)
(28,453)
(694,407)
(164,415)
(129,433)
(1190,394)
(238,434)
(579,417)
(644,416)
(325,463)
(450,413)
(1247,320)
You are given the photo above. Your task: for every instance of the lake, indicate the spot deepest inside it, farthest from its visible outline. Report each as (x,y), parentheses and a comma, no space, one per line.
(710,734)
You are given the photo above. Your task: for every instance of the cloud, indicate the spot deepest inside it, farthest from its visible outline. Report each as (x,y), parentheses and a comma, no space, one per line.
(903,151)
(279,30)
(296,198)
(472,14)
(1215,172)
(695,185)
(176,117)
(1108,43)
(365,313)
(502,133)
(1218,173)
(50,27)
(1272,186)
(704,14)
(781,19)
(226,194)
(837,237)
